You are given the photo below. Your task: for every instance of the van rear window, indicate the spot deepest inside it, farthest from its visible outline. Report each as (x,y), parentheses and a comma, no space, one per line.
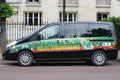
(100,30)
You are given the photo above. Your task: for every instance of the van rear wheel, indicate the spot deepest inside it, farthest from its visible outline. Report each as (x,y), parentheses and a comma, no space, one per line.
(98,58)
(25,58)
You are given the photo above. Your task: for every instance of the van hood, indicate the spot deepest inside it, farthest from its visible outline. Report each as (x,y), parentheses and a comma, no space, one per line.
(18,41)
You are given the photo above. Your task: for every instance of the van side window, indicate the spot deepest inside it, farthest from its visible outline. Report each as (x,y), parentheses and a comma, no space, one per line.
(82,30)
(69,31)
(76,30)
(50,32)
(100,30)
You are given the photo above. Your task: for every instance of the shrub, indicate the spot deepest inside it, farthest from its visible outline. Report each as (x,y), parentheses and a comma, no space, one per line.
(116,21)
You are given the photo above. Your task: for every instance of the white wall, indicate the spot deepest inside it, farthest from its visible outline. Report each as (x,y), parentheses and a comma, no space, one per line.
(15,1)
(50,10)
(10,1)
(87,9)
(115,9)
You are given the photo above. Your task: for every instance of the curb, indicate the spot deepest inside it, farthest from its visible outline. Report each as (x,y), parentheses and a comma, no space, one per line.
(0,55)
(118,57)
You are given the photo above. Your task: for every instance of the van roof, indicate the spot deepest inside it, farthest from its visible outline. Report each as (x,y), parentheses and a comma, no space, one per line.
(110,23)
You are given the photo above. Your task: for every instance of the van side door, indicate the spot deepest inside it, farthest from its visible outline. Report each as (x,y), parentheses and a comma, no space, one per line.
(76,40)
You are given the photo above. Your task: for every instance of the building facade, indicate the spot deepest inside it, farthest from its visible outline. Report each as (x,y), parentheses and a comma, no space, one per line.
(34,12)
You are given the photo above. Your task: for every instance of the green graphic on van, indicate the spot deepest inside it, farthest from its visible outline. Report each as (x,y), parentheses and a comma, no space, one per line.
(66,44)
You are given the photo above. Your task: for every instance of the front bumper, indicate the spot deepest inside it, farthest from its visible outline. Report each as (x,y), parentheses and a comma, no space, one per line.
(9,56)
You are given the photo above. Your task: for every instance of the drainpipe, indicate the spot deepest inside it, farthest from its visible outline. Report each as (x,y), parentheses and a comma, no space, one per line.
(64,10)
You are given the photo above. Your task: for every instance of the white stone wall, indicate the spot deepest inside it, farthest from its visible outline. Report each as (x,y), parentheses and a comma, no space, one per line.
(50,9)
(115,9)
(87,10)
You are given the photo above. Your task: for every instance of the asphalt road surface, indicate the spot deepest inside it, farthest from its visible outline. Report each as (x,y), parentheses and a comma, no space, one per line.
(59,71)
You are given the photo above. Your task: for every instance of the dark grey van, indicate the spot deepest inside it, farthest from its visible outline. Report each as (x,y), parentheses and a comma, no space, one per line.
(66,41)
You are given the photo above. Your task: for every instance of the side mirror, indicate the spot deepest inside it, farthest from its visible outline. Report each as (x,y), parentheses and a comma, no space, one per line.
(40,36)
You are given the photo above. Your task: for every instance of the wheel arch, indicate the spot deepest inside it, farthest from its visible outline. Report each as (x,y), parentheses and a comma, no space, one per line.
(100,50)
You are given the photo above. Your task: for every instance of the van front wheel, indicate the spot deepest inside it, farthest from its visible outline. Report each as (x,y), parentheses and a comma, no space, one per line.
(25,58)
(98,58)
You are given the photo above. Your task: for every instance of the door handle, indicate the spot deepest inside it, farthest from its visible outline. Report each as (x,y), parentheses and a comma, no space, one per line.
(58,41)
(66,41)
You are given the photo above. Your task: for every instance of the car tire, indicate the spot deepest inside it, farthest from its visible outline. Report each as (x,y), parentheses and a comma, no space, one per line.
(25,58)
(98,58)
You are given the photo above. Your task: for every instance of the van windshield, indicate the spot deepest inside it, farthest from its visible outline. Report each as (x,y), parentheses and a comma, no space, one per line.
(36,31)
(32,33)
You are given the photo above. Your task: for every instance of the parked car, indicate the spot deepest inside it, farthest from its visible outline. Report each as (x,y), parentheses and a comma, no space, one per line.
(66,41)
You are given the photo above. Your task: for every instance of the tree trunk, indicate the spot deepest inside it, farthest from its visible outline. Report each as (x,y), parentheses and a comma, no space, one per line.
(3,32)
(2,1)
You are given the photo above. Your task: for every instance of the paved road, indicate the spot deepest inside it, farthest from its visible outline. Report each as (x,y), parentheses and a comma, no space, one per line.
(59,71)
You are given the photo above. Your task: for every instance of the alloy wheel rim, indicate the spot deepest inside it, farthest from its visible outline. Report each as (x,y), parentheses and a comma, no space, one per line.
(25,59)
(99,58)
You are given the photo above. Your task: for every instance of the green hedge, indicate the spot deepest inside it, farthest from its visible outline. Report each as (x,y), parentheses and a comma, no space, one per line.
(116,21)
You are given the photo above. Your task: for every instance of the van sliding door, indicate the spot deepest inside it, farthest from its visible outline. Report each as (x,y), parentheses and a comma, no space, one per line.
(75,40)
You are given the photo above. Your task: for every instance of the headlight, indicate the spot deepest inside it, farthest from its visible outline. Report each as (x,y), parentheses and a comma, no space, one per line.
(11,44)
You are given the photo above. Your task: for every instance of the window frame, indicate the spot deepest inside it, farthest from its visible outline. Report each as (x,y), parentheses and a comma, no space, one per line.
(33,2)
(102,15)
(74,16)
(27,18)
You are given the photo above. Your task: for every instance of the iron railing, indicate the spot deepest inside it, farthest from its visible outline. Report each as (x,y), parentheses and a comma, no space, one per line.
(17,30)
